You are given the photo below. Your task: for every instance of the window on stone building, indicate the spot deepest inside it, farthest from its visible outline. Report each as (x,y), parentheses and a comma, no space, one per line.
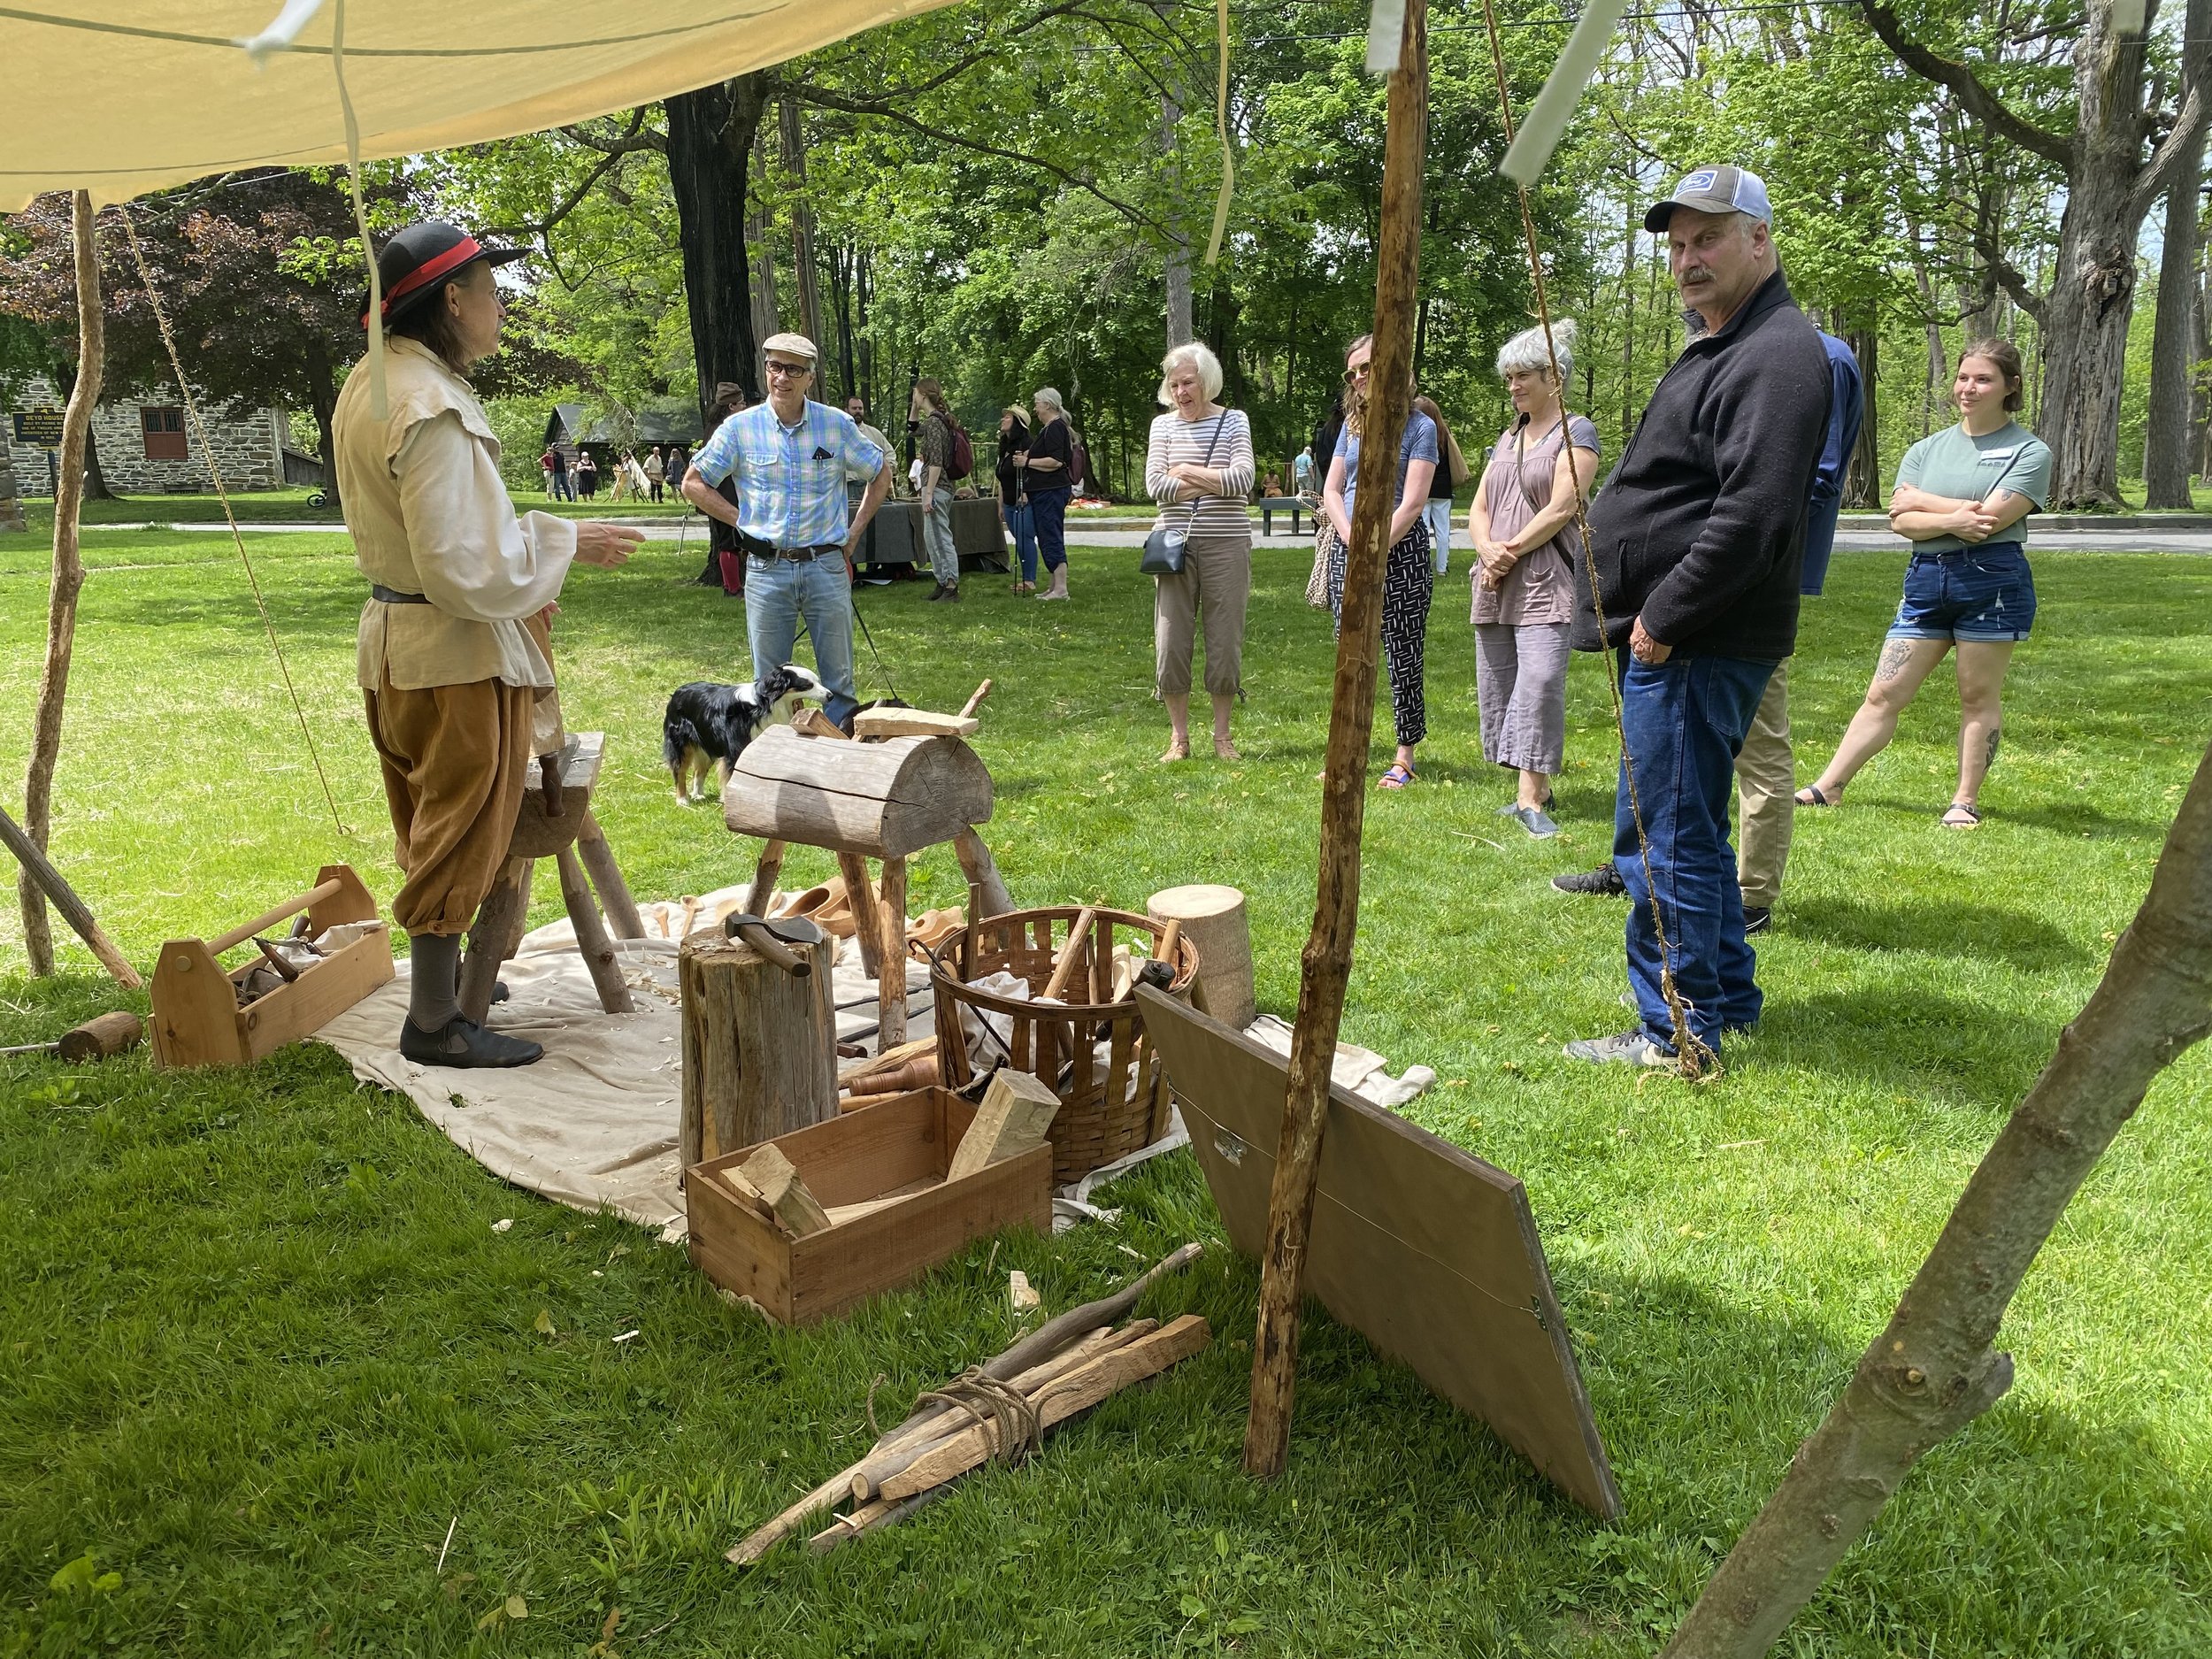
(163,428)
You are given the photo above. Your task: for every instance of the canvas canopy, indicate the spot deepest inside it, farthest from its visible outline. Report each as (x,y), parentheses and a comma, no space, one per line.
(119,99)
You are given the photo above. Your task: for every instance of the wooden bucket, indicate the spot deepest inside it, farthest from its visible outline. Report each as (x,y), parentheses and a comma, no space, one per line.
(1107,1109)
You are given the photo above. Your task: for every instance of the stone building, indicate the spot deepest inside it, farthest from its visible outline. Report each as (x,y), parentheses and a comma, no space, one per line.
(146,447)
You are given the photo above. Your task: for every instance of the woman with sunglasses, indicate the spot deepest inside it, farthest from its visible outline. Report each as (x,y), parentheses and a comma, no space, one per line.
(1409,579)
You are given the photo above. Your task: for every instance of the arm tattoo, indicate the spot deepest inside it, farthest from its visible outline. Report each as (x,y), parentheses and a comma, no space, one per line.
(1989,749)
(1895,655)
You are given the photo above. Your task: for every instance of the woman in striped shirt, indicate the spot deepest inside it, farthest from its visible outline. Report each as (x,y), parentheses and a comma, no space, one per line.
(1198,466)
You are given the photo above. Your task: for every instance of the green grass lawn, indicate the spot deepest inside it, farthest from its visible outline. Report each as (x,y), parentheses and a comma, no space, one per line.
(260,1347)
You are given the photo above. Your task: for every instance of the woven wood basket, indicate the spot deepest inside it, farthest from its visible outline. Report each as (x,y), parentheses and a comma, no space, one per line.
(1106,1110)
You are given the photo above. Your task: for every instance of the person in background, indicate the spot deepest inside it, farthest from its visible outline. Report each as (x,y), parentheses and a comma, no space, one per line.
(1301,476)
(933,418)
(586,473)
(564,486)
(1271,486)
(1697,543)
(545,466)
(1409,581)
(1451,470)
(1960,496)
(1527,551)
(655,472)
(789,458)
(1046,471)
(857,406)
(1013,506)
(620,488)
(1198,466)
(1323,450)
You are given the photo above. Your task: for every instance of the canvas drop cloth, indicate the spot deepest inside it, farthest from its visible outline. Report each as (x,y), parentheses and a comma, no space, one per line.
(593,1124)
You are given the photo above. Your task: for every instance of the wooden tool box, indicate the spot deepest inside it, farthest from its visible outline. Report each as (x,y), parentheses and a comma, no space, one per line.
(197,1019)
(885,1169)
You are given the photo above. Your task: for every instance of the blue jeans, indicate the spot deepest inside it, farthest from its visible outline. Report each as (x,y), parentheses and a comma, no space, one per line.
(1682,724)
(1049,511)
(1022,522)
(777,593)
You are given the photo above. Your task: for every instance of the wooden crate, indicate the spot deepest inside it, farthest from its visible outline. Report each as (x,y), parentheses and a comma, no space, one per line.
(851,1160)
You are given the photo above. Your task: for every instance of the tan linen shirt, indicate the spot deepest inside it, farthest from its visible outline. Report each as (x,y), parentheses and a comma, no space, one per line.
(430,515)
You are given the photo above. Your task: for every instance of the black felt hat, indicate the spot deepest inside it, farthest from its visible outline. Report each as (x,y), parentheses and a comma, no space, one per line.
(416,261)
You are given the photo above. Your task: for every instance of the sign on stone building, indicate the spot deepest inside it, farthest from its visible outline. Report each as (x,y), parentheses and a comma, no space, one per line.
(39,427)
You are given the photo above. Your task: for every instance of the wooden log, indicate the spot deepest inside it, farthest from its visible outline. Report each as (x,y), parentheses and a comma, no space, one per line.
(860,898)
(765,874)
(39,869)
(606,875)
(1213,918)
(497,929)
(774,1177)
(880,800)
(61,598)
(987,889)
(1017,1110)
(913,723)
(1326,961)
(1078,1391)
(759,1045)
(891,961)
(102,1037)
(601,960)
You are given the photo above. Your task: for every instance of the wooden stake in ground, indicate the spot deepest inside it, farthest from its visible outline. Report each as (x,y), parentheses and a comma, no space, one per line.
(39,868)
(61,605)
(1933,1370)
(1326,962)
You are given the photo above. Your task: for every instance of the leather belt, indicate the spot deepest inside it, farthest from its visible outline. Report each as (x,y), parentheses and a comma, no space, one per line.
(382,594)
(761,549)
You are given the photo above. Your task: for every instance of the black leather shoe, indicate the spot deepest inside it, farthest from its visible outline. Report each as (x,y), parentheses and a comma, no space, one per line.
(1604,882)
(463,1043)
(1757,918)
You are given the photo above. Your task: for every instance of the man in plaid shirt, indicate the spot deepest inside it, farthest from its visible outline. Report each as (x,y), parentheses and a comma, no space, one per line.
(789,458)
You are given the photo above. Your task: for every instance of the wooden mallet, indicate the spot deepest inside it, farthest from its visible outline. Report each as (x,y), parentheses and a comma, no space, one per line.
(97,1039)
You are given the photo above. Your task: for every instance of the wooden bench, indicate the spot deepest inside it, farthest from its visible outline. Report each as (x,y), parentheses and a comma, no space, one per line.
(1270,505)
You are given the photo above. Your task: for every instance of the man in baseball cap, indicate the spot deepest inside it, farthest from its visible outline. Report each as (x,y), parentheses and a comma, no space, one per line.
(1728,189)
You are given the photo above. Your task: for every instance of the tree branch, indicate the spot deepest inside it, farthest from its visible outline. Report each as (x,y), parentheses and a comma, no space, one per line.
(1975,97)
(2015,282)
(2158,173)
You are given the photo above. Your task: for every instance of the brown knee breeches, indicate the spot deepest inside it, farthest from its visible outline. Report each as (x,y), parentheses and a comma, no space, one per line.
(455,762)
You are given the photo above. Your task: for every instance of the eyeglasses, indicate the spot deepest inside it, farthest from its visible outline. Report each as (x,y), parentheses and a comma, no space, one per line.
(790,370)
(1357,372)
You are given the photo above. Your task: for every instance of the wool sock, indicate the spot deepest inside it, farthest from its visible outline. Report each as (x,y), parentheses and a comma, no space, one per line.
(434,984)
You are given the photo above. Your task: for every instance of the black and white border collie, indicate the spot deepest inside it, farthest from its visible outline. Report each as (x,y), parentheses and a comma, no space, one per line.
(707,723)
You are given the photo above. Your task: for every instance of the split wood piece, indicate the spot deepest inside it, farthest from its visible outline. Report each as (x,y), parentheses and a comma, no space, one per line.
(1022,1295)
(891,958)
(987,889)
(1063,965)
(1078,1391)
(765,874)
(773,1176)
(913,723)
(606,876)
(498,928)
(1053,1337)
(758,1054)
(975,699)
(860,899)
(601,960)
(734,1183)
(869,1517)
(889,1059)
(41,871)
(1326,961)
(814,723)
(1017,1110)
(883,800)
(1214,918)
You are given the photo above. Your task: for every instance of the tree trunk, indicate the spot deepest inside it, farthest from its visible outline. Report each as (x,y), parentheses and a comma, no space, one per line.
(2167,450)
(61,610)
(2199,403)
(709,141)
(1223,315)
(1325,964)
(802,220)
(10,497)
(760,222)
(325,401)
(1933,1370)
(1862,477)
(1180,331)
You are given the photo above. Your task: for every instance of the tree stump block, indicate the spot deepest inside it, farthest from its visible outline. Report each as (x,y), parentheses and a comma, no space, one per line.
(760,1044)
(1213,918)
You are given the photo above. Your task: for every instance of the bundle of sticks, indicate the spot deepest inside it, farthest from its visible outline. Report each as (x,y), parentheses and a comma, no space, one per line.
(1000,1410)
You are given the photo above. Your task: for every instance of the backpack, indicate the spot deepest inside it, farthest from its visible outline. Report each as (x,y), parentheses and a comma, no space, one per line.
(962,461)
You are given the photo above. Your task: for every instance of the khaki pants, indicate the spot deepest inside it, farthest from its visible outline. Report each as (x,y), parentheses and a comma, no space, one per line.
(454,759)
(1766,780)
(1213,586)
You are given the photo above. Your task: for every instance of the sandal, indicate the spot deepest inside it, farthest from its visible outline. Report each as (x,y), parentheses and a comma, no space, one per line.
(1174,752)
(1398,775)
(1224,749)
(1971,816)
(1812,795)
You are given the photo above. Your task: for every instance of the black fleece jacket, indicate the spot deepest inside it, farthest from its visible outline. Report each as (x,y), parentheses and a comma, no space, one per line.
(1700,529)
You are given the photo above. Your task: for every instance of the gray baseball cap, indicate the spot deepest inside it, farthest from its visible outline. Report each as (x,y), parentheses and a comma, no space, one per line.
(1714,190)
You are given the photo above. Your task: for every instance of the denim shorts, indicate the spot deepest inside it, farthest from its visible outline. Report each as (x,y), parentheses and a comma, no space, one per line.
(1981,593)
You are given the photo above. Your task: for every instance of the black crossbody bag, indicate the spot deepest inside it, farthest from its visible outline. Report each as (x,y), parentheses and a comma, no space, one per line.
(1164,547)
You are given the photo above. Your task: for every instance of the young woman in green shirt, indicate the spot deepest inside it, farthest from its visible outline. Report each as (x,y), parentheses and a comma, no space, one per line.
(1961,496)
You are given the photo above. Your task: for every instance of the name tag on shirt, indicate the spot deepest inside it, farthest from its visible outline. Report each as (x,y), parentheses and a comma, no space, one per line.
(1992,457)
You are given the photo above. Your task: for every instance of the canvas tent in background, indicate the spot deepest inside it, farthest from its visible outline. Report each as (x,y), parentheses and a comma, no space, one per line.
(119,99)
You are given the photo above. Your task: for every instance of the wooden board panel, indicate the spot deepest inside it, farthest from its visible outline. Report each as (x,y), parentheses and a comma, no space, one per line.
(318,996)
(1430,1254)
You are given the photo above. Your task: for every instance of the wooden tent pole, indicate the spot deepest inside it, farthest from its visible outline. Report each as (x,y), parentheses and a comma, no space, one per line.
(1326,961)
(61,609)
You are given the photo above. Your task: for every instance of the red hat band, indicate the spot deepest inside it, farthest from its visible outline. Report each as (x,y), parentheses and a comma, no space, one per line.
(429,271)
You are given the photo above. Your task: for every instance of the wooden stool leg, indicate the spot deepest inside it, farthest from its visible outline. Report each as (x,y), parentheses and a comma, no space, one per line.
(498,928)
(591,936)
(891,981)
(606,875)
(866,929)
(764,876)
(981,870)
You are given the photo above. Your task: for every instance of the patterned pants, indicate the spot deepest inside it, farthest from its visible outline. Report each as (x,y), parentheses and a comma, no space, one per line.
(1409,585)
